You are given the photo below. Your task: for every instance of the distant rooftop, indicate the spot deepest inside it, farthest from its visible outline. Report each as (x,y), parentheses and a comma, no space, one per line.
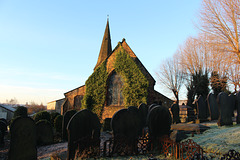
(9,107)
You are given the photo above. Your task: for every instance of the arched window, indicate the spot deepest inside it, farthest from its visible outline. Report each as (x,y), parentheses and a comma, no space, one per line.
(114,94)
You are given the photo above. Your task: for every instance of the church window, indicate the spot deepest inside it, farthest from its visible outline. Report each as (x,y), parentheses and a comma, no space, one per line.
(114,95)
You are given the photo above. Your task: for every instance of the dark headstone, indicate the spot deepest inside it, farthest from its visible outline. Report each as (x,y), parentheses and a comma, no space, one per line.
(178,135)
(143,111)
(202,108)
(152,106)
(159,121)
(44,132)
(126,126)
(83,128)
(232,100)
(126,123)
(4,120)
(212,106)
(238,107)
(225,109)
(107,124)
(3,129)
(175,113)
(23,139)
(67,116)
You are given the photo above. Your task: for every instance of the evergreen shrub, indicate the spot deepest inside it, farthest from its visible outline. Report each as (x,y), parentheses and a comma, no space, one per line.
(20,111)
(58,123)
(41,116)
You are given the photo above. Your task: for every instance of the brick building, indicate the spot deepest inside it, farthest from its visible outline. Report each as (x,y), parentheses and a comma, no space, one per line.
(114,98)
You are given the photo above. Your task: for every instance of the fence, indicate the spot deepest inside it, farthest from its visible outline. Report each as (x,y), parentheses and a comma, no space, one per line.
(186,150)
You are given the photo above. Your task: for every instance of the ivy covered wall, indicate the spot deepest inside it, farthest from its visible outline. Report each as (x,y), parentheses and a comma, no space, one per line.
(95,95)
(135,88)
(135,83)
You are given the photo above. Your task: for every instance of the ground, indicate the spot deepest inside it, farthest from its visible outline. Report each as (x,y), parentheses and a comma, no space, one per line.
(219,140)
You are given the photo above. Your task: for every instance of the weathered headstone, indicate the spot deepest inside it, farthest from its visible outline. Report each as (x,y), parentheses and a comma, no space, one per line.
(44,132)
(212,106)
(83,129)
(23,139)
(126,125)
(232,100)
(66,117)
(4,120)
(238,107)
(178,135)
(225,109)
(202,109)
(175,113)
(159,121)
(152,106)
(143,111)
(3,129)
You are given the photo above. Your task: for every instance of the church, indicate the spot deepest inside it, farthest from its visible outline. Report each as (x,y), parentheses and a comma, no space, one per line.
(115,90)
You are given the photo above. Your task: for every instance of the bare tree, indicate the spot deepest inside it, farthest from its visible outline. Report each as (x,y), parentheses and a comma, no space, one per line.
(233,75)
(220,21)
(171,76)
(194,56)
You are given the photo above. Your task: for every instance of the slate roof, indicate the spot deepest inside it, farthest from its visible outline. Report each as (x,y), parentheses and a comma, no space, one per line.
(106,47)
(8,107)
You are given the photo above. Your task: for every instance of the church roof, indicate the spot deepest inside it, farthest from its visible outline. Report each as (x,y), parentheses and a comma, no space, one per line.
(106,47)
(127,48)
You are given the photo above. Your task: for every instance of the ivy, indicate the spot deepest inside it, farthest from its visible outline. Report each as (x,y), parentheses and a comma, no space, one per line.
(95,96)
(134,89)
(135,83)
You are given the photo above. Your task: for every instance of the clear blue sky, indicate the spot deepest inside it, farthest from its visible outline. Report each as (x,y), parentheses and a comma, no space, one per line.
(48,47)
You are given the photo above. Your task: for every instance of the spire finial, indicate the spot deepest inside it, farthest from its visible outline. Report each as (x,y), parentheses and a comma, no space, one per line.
(108,17)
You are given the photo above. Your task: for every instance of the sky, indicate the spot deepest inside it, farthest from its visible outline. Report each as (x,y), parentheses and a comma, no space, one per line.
(50,47)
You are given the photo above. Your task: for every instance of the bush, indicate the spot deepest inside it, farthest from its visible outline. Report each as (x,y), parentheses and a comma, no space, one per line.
(20,111)
(95,96)
(41,116)
(58,123)
(53,115)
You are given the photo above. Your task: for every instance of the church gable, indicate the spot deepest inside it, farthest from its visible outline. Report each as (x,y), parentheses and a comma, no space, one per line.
(112,58)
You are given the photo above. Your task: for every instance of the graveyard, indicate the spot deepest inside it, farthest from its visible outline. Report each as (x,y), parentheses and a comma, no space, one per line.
(119,111)
(142,132)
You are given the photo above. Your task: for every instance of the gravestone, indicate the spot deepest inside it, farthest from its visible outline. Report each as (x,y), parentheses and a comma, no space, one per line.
(175,113)
(238,107)
(126,126)
(202,108)
(212,106)
(23,139)
(232,100)
(44,132)
(159,121)
(143,111)
(83,129)
(152,106)
(225,109)
(66,117)
(126,123)
(3,129)
(4,120)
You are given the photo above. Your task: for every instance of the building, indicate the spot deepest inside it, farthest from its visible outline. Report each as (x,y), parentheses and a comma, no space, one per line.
(55,105)
(114,98)
(6,111)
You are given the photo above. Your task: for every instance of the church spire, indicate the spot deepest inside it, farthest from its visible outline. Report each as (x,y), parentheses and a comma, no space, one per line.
(106,47)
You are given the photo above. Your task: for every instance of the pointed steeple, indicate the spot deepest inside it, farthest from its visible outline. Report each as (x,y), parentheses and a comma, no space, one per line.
(106,47)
